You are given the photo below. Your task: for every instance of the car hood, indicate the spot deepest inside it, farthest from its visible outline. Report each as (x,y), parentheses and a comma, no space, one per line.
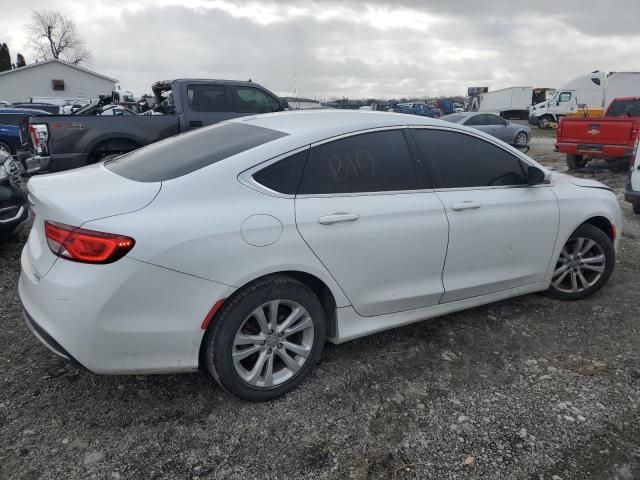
(585,182)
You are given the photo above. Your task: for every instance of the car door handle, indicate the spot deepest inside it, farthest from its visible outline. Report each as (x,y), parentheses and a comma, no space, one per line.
(195,123)
(337,218)
(465,206)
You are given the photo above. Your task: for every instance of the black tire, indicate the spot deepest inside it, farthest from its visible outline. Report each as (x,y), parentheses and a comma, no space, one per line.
(636,207)
(575,162)
(588,231)
(219,338)
(6,147)
(545,121)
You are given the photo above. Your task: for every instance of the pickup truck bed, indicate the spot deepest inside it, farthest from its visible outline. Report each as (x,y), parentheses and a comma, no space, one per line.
(70,141)
(612,136)
(73,138)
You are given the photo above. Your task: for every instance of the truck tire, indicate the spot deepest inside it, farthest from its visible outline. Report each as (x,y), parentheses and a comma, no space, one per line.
(545,121)
(575,162)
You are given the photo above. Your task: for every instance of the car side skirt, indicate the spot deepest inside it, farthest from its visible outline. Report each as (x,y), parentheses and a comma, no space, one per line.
(350,325)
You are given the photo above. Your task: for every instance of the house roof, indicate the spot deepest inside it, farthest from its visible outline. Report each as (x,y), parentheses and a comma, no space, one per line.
(44,62)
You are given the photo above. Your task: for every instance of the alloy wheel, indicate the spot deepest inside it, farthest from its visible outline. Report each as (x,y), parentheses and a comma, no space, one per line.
(521,139)
(581,265)
(273,343)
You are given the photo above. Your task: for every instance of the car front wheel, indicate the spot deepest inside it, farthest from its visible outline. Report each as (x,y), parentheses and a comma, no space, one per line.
(266,339)
(584,266)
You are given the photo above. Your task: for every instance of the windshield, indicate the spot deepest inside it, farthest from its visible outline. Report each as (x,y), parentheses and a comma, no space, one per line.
(178,156)
(626,108)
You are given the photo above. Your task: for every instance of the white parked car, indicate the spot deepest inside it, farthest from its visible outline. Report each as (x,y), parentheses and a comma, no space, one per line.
(632,192)
(243,246)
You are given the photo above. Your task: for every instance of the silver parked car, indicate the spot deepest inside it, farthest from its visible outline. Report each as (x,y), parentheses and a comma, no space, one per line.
(511,133)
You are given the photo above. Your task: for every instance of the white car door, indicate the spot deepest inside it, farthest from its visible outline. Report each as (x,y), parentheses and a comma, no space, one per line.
(363,208)
(502,232)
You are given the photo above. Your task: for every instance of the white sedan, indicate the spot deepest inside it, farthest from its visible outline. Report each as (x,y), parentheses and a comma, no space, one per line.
(243,246)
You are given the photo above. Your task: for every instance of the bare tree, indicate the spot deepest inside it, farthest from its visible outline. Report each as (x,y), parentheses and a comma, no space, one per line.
(54,35)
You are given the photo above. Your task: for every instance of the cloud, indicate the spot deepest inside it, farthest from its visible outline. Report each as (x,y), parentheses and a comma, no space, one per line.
(326,48)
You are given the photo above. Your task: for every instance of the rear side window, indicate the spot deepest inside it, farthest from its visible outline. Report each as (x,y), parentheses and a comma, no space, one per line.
(177,156)
(284,175)
(208,98)
(627,108)
(462,160)
(371,162)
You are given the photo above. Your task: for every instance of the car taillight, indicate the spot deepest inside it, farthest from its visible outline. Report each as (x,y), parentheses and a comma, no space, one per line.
(39,137)
(632,158)
(86,246)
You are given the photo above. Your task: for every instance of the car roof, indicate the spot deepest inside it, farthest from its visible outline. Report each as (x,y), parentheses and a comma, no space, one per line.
(316,125)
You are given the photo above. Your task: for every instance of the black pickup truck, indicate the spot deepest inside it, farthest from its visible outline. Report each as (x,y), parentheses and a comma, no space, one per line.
(71,141)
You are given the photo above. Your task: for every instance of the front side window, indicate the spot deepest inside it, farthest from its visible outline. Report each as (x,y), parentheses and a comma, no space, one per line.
(370,162)
(207,98)
(564,97)
(465,161)
(254,100)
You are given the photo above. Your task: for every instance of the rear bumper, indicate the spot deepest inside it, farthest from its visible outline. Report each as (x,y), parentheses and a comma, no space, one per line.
(122,318)
(595,150)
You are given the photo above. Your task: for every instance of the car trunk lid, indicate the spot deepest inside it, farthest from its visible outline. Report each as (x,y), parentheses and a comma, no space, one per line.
(75,198)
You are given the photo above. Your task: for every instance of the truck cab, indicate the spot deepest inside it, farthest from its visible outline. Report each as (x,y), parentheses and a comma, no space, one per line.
(204,102)
(587,90)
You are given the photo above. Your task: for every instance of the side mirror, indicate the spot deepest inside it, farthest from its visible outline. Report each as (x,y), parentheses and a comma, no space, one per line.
(558,103)
(535,176)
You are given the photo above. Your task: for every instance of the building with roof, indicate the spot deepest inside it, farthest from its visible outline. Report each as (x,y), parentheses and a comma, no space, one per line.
(53,78)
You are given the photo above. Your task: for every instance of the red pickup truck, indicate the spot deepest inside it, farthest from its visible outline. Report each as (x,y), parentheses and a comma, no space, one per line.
(610,137)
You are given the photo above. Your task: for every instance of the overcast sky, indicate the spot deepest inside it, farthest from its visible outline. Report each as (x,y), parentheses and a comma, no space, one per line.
(326,48)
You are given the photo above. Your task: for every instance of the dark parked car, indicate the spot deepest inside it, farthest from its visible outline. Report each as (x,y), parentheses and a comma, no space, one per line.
(72,141)
(511,133)
(13,201)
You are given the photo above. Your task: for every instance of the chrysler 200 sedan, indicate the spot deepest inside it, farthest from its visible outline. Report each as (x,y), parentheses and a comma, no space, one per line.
(244,246)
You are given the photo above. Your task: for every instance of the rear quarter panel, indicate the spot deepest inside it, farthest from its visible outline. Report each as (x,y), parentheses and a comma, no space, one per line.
(195,226)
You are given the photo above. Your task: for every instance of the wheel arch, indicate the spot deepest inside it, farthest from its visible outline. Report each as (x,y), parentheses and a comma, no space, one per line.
(602,223)
(313,282)
(116,144)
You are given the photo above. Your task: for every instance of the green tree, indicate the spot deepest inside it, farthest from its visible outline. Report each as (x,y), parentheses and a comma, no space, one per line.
(5,58)
(20,62)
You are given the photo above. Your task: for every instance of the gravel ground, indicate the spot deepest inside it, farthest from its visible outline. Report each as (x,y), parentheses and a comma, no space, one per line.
(526,388)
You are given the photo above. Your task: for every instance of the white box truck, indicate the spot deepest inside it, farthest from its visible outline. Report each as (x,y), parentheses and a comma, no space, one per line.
(591,92)
(512,102)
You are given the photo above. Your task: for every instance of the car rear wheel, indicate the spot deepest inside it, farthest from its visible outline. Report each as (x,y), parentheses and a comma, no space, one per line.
(584,266)
(266,339)
(521,140)
(574,162)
